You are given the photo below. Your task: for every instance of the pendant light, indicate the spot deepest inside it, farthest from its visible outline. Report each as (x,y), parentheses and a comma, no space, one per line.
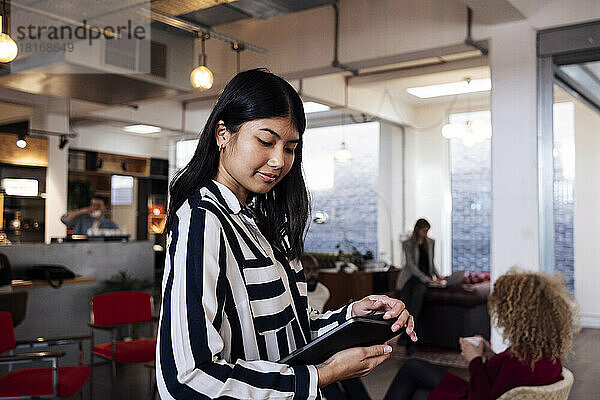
(202,77)
(471,131)
(21,141)
(8,47)
(343,154)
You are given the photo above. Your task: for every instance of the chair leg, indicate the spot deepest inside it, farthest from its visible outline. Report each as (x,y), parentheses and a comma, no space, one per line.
(92,366)
(113,378)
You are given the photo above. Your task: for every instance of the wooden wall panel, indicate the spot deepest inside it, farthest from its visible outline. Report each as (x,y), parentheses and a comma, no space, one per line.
(35,154)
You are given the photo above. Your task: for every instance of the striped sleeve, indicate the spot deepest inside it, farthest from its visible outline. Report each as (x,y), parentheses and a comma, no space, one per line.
(190,349)
(321,323)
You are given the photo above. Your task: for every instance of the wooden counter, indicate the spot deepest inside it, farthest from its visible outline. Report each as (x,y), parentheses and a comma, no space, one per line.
(345,288)
(21,284)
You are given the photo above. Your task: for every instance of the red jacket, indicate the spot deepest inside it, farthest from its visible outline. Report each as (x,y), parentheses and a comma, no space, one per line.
(500,374)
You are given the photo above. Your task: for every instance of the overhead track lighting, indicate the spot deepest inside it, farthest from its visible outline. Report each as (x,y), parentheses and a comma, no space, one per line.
(202,77)
(8,47)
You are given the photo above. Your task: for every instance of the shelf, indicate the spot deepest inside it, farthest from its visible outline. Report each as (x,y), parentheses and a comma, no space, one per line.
(21,284)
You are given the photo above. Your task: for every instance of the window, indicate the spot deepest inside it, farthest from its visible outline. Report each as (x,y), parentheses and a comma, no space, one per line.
(344,194)
(563,199)
(470,175)
(121,190)
(184,152)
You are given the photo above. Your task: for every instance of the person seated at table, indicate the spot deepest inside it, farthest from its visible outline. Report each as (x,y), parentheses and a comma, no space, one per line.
(318,294)
(536,315)
(419,271)
(88,218)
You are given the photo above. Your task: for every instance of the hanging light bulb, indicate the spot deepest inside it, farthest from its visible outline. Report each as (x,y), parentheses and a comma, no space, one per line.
(21,142)
(453,130)
(342,154)
(202,77)
(8,47)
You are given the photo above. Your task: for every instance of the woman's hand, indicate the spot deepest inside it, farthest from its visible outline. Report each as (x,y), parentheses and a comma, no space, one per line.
(469,351)
(391,308)
(487,348)
(352,363)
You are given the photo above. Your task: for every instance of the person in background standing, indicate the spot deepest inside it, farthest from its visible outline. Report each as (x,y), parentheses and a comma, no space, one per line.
(419,272)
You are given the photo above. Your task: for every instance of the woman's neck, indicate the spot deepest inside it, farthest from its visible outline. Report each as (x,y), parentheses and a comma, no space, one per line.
(225,179)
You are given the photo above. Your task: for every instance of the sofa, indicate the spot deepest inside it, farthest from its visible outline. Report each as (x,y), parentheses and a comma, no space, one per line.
(450,313)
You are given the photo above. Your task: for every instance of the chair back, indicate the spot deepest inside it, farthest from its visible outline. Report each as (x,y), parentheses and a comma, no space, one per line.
(16,304)
(7,333)
(119,308)
(557,391)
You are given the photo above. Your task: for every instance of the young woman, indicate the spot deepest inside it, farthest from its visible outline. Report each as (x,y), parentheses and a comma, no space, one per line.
(418,272)
(536,315)
(234,294)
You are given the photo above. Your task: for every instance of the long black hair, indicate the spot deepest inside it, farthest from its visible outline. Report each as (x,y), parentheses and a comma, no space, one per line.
(282,213)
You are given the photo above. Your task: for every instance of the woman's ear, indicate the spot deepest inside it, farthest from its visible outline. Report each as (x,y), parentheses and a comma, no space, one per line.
(222,134)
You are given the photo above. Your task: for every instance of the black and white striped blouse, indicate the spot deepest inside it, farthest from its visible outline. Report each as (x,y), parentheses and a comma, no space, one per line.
(232,306)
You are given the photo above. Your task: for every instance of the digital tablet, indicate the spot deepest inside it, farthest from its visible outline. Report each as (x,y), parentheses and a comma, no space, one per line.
(355,332)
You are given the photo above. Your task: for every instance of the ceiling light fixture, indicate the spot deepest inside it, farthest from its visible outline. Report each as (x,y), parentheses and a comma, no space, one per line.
(21,142)
(312,107)
(143,129)
(452,88)
(471,131)
(342,154)
(8,47)
(202,77)
(238,48)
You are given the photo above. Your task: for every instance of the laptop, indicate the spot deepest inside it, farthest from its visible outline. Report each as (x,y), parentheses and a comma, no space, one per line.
(454,280)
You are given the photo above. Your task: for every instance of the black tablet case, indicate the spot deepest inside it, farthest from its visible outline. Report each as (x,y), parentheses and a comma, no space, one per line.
(355,332)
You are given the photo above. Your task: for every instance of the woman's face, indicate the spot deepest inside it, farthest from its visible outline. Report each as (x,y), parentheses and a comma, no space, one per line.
(257,157)
(423,232)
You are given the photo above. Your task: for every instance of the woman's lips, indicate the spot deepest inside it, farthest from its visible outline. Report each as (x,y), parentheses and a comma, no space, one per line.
(268,178)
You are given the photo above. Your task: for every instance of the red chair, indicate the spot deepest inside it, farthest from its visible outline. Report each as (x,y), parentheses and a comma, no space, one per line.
(111,310)
(36,382)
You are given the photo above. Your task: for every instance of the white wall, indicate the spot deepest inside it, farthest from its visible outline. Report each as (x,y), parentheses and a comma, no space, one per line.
(587,213)
(56,172)
(390,209)
(515,235)
(111,139)
(428,189)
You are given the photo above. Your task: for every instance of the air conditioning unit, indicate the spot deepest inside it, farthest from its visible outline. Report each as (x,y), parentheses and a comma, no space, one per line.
(108,71)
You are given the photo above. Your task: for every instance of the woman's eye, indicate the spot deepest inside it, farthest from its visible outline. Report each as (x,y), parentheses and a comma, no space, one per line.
(289,151)
(264,143)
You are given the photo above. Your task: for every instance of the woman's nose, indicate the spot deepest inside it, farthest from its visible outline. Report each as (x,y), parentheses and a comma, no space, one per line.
(276,159)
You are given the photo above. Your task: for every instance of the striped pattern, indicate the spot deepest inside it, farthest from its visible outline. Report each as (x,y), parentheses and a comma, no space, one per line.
(232,306)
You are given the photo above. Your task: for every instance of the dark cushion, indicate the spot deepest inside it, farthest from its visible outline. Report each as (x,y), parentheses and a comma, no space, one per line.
(38,381)
(458,296)
(135,351)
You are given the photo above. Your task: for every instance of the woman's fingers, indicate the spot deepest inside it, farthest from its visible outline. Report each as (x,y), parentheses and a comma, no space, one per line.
(401,321)
(376,351)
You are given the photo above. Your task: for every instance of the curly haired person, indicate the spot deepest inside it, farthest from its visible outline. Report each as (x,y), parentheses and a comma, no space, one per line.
(536,315)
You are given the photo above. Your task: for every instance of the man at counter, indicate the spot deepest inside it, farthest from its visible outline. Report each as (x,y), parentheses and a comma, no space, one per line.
(88,218)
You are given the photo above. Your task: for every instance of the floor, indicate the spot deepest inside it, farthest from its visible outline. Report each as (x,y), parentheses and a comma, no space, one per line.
(133,380)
